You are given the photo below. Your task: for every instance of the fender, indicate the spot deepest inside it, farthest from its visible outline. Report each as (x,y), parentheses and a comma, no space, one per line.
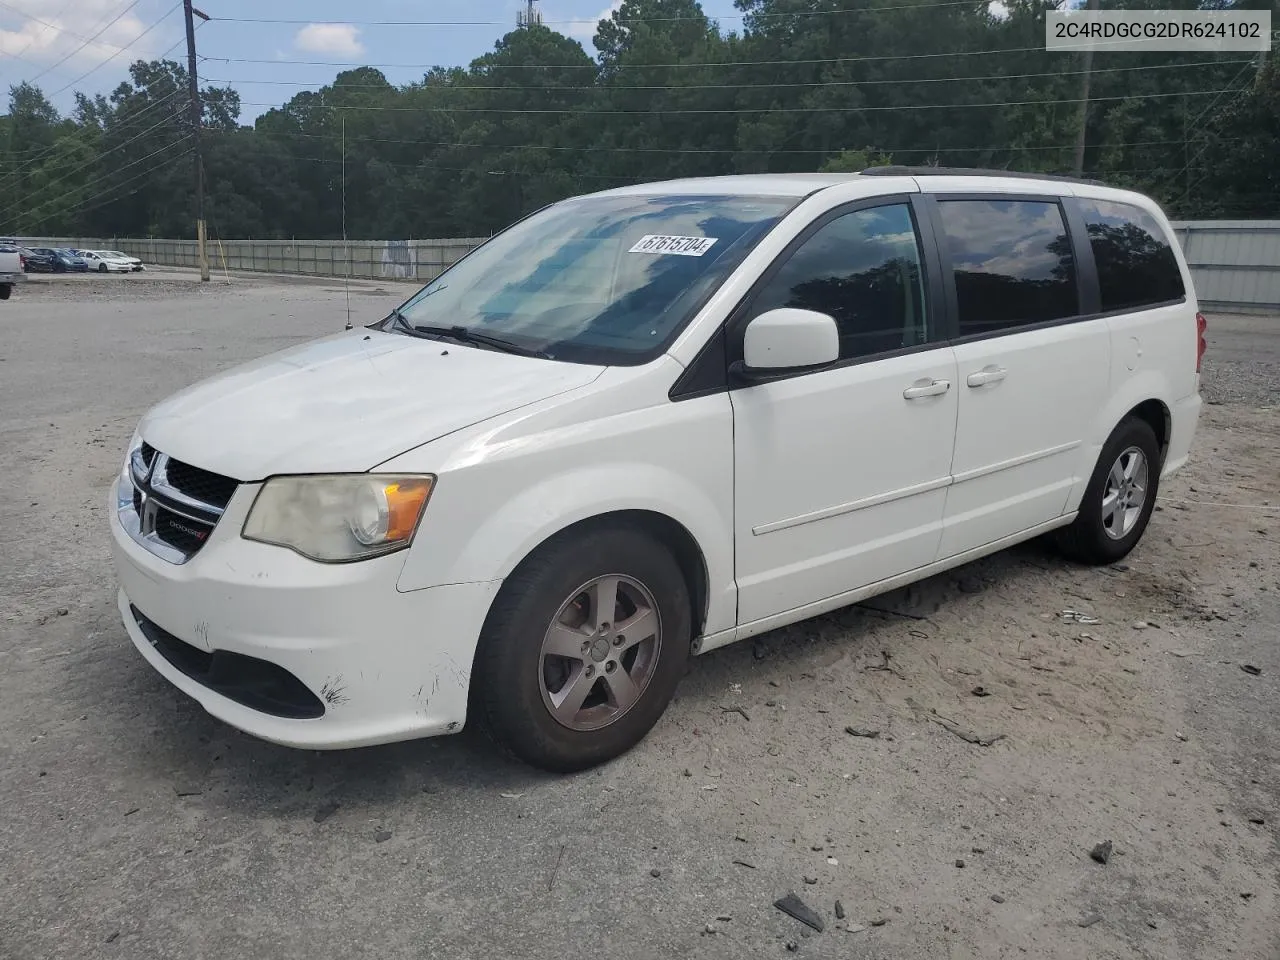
(674,459)
(1139,387)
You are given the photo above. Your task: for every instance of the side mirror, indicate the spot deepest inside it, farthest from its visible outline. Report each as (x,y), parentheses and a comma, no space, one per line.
(788,339)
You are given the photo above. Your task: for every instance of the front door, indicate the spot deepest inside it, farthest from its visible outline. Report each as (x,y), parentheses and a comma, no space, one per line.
(841,474)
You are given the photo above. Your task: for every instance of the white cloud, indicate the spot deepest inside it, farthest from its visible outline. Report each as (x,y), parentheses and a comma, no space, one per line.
(583,29)
(39,37)
(343,38)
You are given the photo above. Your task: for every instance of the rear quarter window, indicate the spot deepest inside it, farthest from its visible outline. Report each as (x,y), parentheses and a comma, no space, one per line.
(1135,260)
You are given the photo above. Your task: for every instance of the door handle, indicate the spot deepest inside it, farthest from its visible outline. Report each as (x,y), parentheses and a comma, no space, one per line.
(986,375)
(926,388)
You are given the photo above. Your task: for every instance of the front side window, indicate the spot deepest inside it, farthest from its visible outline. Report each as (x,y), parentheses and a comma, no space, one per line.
(599,279)
(1136,263)
(1012,263)
(863,269)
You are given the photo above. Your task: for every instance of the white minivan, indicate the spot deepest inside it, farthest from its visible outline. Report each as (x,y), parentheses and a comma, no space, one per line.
(643,424)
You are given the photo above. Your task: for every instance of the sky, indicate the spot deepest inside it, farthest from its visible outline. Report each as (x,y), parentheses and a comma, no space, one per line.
(86,45)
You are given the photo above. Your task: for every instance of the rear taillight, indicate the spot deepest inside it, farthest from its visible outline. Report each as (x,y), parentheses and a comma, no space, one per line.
(1201,325)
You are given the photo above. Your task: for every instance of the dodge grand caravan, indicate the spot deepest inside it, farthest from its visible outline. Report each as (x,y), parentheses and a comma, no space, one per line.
(642,424)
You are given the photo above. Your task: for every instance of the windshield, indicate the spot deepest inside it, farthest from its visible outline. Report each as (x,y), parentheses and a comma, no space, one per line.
(598,280)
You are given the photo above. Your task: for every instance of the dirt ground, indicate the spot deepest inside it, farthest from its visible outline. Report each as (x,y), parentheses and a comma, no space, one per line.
(133,825)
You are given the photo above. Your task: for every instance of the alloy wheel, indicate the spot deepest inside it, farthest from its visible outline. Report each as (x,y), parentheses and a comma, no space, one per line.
(600,652)
(1125,493)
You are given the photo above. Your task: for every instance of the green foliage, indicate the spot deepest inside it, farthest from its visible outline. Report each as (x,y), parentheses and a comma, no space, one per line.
(852,161)
(807,85)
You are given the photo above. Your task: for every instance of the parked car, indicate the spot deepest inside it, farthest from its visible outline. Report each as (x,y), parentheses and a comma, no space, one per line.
(71,260)
(104,261)
(38,260)
(646,423)
(10,269)
(134,263)
(63,260)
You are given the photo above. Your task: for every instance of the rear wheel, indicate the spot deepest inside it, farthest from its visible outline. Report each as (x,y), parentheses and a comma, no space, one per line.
(5,290)
(1118,501)
(102,268)
(583,648)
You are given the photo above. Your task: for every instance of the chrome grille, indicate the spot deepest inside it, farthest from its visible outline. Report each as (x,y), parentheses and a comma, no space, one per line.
(170,507)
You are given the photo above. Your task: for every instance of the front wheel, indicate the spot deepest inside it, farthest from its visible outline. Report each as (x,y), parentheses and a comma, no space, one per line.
(102,268)
(583,648)
(1118,501)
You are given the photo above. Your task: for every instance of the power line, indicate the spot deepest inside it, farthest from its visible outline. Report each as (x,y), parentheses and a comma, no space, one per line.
(638,66)
(95,159)
(168,146)
(60,29)
(130,121)
(107,26)
(157,23)
(103,201)
(746,151)
(433,166)
(49,151)
(696,111)
(730,86)
(1200,115)
(976,4)
(44,26)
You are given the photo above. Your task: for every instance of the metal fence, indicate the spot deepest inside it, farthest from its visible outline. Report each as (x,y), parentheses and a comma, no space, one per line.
(419,260)
(1235,263)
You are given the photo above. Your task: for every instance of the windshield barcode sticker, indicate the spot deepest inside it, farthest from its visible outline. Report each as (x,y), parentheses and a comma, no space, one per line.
(680,246)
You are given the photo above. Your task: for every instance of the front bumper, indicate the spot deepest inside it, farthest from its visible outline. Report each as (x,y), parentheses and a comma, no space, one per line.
(384,665)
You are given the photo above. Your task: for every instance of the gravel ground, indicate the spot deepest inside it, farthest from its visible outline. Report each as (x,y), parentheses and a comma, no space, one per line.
(133,825)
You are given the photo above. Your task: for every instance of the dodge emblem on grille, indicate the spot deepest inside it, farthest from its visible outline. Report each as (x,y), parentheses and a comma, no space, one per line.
(168,514)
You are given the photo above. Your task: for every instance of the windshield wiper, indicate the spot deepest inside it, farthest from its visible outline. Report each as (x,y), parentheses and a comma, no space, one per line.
(464,335)
(400,319)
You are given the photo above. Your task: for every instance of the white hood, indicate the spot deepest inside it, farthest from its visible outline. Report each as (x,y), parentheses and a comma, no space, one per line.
(347,403)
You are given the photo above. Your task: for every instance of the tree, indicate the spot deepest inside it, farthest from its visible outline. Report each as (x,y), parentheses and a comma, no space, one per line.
(806,85)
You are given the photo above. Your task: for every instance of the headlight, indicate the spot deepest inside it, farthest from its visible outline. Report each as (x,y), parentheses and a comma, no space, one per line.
(339,518)
(135,443)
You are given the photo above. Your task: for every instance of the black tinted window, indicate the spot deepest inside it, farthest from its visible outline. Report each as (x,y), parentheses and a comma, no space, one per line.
(863,269)
(1013,263)
(1136,263)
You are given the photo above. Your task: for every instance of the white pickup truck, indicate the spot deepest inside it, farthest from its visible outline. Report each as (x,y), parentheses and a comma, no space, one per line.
(10,270)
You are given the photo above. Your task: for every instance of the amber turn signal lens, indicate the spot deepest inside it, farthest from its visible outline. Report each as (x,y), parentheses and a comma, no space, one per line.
(406,500)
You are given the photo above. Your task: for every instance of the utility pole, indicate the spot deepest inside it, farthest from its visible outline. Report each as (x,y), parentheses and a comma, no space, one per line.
(1084,103)
(197,119)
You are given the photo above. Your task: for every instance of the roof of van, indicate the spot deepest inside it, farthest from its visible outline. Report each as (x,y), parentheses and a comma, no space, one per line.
(803,184)
(746,185)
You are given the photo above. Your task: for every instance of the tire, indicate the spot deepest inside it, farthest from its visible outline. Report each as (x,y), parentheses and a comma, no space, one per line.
(5,290)
(1100,536)
(102,268)
(517,678)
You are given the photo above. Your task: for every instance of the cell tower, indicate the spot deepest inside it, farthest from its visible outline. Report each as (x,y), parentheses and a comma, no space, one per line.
(530,16)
